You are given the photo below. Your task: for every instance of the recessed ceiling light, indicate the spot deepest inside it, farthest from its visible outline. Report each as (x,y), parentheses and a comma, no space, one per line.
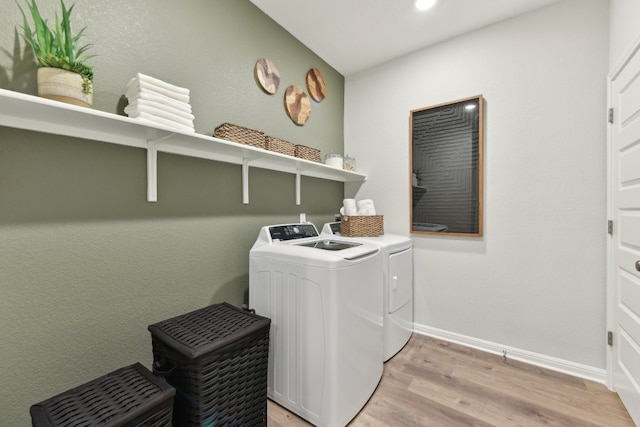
(424,4)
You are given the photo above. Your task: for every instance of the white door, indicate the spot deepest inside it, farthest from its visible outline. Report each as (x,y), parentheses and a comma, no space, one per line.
(624,244)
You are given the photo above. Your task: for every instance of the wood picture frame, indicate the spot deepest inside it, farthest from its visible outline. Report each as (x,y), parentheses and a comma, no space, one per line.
(446,166)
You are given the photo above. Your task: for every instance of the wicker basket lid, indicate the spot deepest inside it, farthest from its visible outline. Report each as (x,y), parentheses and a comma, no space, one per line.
(95,402)
(208,329)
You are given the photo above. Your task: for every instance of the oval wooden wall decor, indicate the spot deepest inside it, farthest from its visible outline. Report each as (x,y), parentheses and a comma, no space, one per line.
(297,104)
(267,75)
(315,85)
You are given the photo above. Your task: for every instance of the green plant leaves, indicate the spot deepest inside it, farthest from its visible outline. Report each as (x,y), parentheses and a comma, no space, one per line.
(58,47)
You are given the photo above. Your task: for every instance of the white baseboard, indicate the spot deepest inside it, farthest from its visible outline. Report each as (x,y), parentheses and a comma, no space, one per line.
(553,363)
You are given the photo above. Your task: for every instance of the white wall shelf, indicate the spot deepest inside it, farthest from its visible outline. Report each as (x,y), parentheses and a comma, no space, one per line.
(22,111)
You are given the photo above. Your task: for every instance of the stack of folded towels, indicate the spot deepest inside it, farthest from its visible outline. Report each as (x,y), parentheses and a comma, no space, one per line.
(156,101)
(362,207)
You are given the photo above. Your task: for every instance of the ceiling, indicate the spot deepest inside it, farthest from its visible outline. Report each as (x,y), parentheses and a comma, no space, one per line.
(354,35)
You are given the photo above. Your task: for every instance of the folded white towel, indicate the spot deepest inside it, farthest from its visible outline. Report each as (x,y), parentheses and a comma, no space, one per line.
(136,111)
(350,207)
(136,86)
(143,103)
(157,82)
(150,118)
(161,99)
(366,207)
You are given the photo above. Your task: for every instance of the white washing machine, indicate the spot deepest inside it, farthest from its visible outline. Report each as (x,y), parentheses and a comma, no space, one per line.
(324,298)
(397,272)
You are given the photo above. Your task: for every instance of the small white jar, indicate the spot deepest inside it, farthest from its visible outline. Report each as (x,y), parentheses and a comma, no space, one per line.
(334,160)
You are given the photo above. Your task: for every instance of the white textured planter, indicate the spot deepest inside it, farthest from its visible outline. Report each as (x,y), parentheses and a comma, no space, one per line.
(62,85)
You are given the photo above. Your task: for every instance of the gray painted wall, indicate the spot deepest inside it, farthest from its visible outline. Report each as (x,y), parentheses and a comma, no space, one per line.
(86,263)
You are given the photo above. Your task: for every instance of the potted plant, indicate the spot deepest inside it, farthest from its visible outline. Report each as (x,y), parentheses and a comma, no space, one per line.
(62,73)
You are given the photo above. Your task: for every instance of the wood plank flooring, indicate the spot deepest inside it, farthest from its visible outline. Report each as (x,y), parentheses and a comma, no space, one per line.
(436,383)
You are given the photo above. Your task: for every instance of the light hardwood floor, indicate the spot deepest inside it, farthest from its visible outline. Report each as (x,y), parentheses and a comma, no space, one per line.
(436,383)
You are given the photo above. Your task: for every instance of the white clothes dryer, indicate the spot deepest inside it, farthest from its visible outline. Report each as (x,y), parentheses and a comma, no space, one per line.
(397,273)
(324,298)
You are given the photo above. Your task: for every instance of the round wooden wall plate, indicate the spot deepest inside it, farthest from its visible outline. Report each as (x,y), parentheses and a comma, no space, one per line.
(267,75)
(315,85)
(297,104)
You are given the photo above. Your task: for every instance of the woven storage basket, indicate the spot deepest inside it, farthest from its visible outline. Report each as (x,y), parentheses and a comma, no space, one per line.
(361,226)
(307,153)
(216,357)
(240,134)
(130,396)
(280,146)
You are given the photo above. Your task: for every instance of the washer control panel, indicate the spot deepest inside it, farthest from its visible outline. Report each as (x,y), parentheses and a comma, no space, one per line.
(334,227)
(292,231)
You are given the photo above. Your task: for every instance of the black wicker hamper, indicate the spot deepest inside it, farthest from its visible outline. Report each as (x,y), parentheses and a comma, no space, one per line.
(128,397)
(216,358)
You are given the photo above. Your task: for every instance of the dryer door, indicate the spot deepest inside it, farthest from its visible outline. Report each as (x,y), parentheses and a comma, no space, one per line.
(400,279)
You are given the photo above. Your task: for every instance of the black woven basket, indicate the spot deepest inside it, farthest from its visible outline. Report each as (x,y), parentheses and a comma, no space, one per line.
(130,396)
(216,358)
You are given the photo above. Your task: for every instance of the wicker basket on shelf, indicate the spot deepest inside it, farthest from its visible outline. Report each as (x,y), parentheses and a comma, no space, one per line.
(241,134)
(361,225)
(280,146)
(307,153)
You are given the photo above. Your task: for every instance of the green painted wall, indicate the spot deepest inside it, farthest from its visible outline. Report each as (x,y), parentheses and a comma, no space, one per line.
(86,264)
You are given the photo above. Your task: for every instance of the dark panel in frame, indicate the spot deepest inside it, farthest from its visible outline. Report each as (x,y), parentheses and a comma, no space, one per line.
(446,168)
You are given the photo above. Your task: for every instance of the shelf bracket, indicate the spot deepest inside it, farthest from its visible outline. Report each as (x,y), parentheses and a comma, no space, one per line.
(245,181)
(297,187)
(152,167)
(152,171)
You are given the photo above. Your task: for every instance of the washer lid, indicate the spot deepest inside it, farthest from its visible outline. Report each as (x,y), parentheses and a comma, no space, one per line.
(302,242)
(320,248)
(331,245)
